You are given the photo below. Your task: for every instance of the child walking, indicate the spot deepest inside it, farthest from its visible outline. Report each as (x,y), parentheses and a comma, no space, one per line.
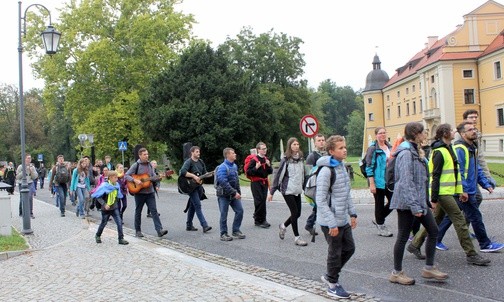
(108,195)
(334,206)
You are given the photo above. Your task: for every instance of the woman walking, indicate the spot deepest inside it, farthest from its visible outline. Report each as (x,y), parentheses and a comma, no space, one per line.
(80,186)
(289,181)
(411,201)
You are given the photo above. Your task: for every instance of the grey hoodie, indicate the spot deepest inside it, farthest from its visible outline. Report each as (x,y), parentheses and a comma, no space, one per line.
(341,202)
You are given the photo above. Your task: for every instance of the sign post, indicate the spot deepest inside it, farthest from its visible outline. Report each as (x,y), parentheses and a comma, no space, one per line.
(309,127)
(123,146)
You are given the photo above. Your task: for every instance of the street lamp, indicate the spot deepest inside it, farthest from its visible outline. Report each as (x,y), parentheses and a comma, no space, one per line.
(90,138)
(51,39)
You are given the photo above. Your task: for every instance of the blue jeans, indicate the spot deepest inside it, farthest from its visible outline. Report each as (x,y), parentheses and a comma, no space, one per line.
(150,200)
(82,194)
(195,208)
(61,191)
(473,214)
(237,207)
(117,218)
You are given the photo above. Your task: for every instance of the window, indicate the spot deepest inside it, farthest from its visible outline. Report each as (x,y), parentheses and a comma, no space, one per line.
(413,89)
(468,96)
(414,107)
(432,79)
(467,73)
(388,98)
(497,70)
(371,117)
(407,91)
(398,111)
(421,106)
(500,117)
(370,101)
(388,113)
(407,109)
(398,94)
(501,145)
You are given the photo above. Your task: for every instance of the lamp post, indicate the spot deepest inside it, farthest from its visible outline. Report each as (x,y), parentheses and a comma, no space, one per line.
(51,39)
(90,138)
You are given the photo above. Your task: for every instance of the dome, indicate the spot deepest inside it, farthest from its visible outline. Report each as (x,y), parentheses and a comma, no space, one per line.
(376,78)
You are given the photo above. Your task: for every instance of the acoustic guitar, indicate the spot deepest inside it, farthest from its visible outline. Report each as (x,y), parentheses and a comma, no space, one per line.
(187,185)
(146,180)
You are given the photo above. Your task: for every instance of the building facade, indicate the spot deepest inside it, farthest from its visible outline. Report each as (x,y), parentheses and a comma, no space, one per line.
(449,76)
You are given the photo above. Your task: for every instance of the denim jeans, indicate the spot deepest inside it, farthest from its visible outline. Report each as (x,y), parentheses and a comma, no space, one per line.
(195,208)
(61,191)
(150,200)
(237,207)
(473,214)
(117,218)
(82,194)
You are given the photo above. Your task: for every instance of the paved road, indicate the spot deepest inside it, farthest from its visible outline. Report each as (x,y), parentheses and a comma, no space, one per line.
(263,254)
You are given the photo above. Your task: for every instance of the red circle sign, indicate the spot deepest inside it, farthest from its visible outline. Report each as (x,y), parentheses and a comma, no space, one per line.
(309,125)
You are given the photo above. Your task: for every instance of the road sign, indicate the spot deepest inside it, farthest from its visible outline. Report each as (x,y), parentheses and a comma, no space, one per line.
(40,157)
(309,125)
(123,146)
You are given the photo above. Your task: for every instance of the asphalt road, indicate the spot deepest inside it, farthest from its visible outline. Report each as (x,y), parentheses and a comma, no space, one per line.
(367,271)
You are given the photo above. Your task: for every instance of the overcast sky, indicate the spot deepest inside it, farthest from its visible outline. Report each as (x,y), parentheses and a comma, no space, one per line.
(340,37)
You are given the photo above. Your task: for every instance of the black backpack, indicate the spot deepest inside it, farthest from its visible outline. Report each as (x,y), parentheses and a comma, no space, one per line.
(390,174)
(61,175)
(362,163)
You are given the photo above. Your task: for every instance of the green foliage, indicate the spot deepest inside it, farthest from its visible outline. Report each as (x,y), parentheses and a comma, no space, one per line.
(355,130)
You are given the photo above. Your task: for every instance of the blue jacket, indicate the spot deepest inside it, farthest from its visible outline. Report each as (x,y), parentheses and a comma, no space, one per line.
(474,174)
(376,163)
(75,181)
(106,188)
(227,178)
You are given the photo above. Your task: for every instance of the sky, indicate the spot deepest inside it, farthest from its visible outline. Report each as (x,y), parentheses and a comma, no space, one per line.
(340,37)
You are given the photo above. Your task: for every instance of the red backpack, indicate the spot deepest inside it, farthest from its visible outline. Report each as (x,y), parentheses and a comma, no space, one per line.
(246,165)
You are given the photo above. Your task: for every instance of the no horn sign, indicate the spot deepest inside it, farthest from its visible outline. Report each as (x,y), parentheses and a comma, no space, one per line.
(309,125)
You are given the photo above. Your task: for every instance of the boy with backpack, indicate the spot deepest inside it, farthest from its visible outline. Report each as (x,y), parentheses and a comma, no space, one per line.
(257,168)
(334,206)
(60,178)
(108,195)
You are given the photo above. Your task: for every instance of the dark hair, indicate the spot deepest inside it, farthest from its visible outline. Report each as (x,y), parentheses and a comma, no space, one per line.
(412,129)
(194,148)
(377,129)
(461,126)
(467,112)
(319,135)
(141,150)
(442,131)
(288,152)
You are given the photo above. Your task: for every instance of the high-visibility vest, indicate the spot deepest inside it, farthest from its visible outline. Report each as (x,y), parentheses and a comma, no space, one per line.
(450,181)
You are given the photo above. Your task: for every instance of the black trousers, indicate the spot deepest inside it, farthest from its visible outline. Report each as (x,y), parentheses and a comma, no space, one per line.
(260,193)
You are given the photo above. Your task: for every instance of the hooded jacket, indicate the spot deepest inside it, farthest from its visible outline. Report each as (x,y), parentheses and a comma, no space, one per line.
(471,172)
(376,163)
(341,205)
(289,179)
(411,180)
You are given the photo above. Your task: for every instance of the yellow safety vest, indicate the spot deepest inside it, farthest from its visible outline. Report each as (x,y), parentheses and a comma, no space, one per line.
(466,152)
(449,183)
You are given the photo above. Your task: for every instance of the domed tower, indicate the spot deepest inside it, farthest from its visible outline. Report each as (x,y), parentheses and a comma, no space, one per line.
(373,101)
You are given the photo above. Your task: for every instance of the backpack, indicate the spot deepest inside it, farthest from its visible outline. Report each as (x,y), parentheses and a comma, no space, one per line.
(310,191)
(363,165)
(62,175)
(390,174)
(247,164)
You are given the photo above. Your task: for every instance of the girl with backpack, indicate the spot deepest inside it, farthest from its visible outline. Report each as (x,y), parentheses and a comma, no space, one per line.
(80,186)
(289,181)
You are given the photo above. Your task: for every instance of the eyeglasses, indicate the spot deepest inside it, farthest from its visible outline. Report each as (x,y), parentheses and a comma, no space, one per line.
(472,116)
(264,149)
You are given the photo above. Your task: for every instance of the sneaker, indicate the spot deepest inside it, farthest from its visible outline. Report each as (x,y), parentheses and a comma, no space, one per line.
(338,291)
(263,225)
(161,233)
(384,231)
(401,278)
(207,229)
(139,234)
(32,216)
(238,235)
(226,237)
(311,230)
(415,251)
(492,247)
(478,260)
(62,214)
(434,273)
(149,215)
(440,246)
(191,228)
(281,232)
(123,242)
(98,239)
(300,242)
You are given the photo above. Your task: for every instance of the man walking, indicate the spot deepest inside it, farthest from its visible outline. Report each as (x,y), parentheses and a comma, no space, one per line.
(228,194)
(445,182)
(42,174)
(146,195)
(311,161)
(60,178)
(193,168)
(257,171)
(31,176)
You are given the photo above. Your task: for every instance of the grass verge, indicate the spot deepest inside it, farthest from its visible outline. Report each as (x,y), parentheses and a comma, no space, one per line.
(16,242)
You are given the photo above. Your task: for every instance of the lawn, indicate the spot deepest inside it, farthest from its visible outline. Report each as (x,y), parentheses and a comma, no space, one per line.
(16,242)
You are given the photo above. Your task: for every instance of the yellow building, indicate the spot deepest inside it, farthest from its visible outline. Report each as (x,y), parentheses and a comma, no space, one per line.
(449,76)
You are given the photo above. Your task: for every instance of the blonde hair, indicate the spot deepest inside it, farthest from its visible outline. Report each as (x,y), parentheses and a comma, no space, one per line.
(112,174)
(332,140)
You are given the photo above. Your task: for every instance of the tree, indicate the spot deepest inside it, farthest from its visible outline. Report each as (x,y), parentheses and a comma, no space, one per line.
(109,52)
(355,130)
